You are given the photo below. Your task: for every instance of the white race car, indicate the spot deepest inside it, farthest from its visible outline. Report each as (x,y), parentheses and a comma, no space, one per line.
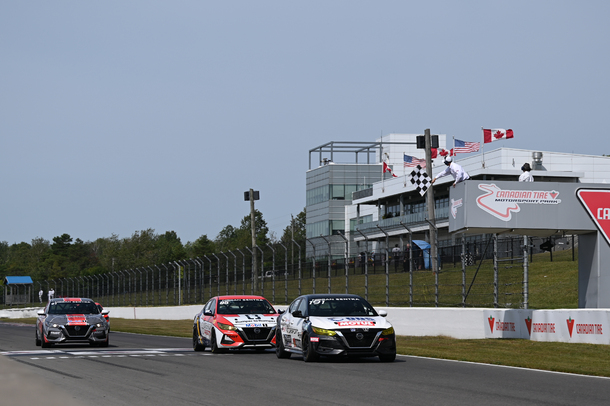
(236,321)
(334,324)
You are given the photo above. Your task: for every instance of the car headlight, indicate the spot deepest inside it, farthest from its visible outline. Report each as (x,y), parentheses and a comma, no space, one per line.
(388,331)
(323,331)
(224,326)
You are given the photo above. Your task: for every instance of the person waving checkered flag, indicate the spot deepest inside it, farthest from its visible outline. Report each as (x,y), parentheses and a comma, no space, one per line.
(420,179)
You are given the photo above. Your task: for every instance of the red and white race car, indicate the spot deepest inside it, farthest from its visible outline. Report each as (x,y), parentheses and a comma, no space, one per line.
(235,321)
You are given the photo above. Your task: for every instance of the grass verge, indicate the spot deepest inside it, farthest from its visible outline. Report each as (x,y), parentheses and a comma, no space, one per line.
(587,359)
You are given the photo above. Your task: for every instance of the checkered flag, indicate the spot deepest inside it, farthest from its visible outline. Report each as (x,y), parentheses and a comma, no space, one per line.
(420,179)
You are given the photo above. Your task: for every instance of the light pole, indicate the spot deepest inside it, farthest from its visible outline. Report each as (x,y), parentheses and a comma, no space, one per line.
(251,196)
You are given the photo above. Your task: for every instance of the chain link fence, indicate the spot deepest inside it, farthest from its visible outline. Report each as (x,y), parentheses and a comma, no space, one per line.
(479,272)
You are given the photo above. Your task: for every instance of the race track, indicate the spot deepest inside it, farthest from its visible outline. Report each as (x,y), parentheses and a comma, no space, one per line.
(152,370)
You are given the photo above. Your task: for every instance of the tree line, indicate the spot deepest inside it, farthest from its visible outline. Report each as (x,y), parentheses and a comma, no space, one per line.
(65,257)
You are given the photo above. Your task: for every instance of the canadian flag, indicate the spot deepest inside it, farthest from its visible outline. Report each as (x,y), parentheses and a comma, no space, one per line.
(386,168)
(496,134)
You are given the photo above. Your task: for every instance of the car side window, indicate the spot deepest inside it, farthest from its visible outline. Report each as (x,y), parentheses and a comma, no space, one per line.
(294,305)
(303,307)
(210,306)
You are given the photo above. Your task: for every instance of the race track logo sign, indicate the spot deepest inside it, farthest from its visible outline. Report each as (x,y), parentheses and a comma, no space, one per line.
(597,203)
(502,203)
(454,206)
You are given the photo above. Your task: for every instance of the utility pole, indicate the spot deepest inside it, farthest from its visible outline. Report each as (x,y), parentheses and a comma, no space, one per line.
(252,196)
(430,204)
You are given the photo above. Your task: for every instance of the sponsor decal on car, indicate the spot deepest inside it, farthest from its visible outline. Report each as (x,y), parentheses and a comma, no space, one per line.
(76,319)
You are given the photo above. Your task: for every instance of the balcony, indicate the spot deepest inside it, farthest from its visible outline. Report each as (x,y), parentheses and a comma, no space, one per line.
(410,220)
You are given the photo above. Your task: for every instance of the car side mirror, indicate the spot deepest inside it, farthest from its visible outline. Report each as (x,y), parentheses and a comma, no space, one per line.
(280,311)
(383,313)
(105,312)
(208,313)
(297,313)
(41,312)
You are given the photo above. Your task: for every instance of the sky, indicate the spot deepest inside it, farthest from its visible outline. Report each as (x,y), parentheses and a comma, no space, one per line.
(121,116)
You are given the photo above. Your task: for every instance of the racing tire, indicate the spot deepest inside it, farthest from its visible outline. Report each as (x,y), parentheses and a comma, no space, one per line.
(280,351)
(309,354)
(105,343)
(45,344)
(214,345)
(38,342)
(387,357)
(197,346)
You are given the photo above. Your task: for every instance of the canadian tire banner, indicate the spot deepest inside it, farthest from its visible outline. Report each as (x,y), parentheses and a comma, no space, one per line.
(571,326)
(597,204)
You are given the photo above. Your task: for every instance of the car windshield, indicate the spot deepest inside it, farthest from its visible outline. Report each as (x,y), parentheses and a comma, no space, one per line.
(340,306)
(245,306)
(73,308)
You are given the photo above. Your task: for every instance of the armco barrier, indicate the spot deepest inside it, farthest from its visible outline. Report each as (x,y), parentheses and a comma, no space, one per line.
(590,326)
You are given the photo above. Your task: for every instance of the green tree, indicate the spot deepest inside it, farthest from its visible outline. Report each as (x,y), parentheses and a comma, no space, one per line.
(298,224)
(226,240)
(202,246)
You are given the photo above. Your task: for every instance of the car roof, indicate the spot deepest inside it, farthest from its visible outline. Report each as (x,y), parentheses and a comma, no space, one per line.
(329,295)
(71,299)
(229,297)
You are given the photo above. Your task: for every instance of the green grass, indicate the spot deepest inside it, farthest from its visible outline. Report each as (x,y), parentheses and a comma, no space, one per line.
(587,359)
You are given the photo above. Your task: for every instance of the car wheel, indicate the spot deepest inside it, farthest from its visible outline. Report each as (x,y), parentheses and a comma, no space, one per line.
(309,354)
(214,345)
(37,339)
(387,357)
(280,351)
(45,344)
(197,346)
(105,343)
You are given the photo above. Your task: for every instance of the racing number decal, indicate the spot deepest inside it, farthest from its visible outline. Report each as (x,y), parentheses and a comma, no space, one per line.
(253,316)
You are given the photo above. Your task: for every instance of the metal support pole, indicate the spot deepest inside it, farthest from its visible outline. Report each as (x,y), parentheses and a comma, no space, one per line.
(166,283)
(285,272)
(201,279)
(226,272)
(387,267)
(345,264)
(314,267)
(273,272)
(496,281)
(234,272)
(463,271)
(435,269)
(526,274)
(210,284)
(251,273)
(300,271)
(243,276)
(329,264)
(410,263)
(217,275)
(366,266)
(262,276)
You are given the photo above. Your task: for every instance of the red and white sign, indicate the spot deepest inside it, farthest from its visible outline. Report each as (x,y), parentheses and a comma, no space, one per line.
(597,204)
(502,203)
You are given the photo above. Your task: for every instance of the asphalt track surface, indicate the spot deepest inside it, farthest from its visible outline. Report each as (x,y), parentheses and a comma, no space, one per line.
(153,370)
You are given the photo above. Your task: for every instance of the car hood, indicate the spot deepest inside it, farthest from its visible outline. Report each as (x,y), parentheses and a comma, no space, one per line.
(75,319)
(251,320)
(337,322)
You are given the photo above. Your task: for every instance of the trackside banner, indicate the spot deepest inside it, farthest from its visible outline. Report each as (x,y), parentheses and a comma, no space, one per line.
(491,206)
(567,326)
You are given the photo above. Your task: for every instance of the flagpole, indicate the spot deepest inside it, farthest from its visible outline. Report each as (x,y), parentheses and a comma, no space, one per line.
(482,149)
(453,149)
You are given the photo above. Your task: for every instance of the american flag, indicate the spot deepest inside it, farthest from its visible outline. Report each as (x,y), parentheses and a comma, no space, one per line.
(411,161)
(465,147)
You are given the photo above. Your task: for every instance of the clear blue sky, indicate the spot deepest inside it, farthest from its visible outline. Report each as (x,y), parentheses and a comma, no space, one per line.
(119,116)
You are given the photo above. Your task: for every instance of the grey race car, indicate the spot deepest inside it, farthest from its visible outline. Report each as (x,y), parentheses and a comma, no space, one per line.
(72,320)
